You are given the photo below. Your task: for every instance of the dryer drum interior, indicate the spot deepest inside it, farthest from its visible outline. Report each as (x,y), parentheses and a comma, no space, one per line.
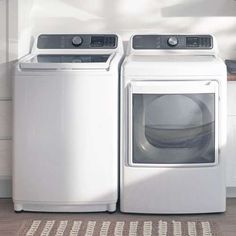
(173,128)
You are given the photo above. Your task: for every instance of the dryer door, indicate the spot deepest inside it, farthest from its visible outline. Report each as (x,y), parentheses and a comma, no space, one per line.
(173,123)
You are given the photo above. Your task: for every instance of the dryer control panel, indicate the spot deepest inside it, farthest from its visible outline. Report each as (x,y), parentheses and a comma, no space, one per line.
(80,41)
(172,42)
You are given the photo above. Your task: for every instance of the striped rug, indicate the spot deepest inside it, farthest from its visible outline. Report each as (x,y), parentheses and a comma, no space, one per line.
(118,228)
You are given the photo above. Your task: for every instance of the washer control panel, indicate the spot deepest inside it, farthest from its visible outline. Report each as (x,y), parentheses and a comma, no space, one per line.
(172,42)
(81,41)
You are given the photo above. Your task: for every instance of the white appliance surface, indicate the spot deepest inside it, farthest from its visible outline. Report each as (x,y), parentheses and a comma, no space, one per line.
(173,125)
(66,125)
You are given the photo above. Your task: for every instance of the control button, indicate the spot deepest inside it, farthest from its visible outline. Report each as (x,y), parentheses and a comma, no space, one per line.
(109,41)
(205,42)
(172,41)
(77,41)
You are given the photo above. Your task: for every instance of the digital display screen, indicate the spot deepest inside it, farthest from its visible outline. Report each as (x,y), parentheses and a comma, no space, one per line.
(97,41)
(193,41)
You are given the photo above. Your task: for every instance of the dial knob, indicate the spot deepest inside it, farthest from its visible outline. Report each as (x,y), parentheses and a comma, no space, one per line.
(76,41)
(172,41)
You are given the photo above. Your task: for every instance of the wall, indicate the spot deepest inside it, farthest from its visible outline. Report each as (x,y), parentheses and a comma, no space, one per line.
(5,105)
(125,17)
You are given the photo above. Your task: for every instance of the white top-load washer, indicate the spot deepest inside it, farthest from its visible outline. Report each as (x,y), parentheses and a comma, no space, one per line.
(65,154)
(173,125)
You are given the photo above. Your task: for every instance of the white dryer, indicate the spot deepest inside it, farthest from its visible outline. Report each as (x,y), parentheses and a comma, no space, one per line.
(173,125)
(66,124)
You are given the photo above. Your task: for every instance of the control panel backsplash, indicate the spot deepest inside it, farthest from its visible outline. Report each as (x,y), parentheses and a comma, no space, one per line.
(172,42)
(80,41)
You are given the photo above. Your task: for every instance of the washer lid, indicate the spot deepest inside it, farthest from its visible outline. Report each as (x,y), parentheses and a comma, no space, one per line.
(67,61)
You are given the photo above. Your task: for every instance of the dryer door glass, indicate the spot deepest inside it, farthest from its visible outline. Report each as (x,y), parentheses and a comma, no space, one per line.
(173,128)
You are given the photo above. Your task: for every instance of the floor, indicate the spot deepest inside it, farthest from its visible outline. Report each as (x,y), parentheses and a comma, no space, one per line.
(10,221)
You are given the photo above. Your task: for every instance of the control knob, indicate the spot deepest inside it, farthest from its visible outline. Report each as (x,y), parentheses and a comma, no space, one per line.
(172,41)
(77,41)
